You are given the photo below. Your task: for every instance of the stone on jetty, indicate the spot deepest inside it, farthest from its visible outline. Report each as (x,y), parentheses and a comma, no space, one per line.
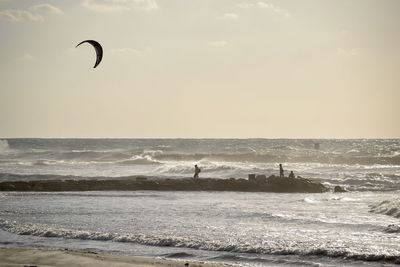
(261,178)
(252,177)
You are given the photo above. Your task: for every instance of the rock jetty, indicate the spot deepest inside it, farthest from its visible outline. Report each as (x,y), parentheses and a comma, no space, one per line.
(260,183)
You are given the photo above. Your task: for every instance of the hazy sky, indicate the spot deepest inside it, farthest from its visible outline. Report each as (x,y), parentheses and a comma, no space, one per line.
(200,68)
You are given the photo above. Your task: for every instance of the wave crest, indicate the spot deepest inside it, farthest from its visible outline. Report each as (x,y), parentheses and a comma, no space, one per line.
(393,228)
(189,242)
(387,207)
(141,160)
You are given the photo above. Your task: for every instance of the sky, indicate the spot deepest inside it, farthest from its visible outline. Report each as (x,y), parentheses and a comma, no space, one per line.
(200,69)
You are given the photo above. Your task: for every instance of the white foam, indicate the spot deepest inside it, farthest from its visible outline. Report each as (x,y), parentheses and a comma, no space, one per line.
(4,146)
(310,200)
(273,247)
(141,160)
(152,153)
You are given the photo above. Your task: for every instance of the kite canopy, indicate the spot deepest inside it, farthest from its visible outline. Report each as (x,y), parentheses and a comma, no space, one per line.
(97,47)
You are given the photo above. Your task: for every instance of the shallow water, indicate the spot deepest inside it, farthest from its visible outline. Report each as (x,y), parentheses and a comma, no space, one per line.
(232,227)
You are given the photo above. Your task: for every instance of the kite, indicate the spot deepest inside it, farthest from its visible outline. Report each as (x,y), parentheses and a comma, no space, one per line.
(98,48)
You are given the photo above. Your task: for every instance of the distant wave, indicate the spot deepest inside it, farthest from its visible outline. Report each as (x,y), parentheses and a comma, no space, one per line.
(186,242)
(328,158)
(91,155)
(212,167)
(141,160)
(387,207)
(271,156)
(4,146)
(120,160)
(364,182)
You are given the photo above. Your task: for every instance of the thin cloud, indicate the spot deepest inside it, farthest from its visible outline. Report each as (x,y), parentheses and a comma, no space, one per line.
(245,5)
(268,6)
(218,43)
(33,14)
(348,52)
(19,15)
(276,9)
(47,8)
(119,5)
(26,57)
(229,16)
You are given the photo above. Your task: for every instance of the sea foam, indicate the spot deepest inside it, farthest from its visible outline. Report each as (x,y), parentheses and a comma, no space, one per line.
(276,248)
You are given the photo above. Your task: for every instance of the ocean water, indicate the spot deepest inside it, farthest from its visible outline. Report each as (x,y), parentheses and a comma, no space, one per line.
(357,228)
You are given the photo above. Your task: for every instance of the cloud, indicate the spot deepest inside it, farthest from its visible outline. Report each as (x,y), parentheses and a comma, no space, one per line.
(218,43)
(131,51)
(34,14)
(228,16)
(280,11)
(119,5)
(19,15)
(264,5)
(245,5)
(47,8)
(26,57)
(348,52)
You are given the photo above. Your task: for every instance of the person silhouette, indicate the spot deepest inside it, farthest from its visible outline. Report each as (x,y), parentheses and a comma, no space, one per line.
(197,170)
(291,175)
(281,174)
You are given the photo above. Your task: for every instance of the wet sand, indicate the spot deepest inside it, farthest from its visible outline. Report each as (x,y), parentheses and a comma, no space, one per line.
(63,258)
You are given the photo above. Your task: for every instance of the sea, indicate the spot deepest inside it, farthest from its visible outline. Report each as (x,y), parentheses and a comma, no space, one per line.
(360,227)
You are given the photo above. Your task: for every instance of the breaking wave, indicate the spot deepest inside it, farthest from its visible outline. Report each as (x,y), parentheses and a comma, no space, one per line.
(327,158)
(357,165)
(251,157)
(392,228)
(190,242)
(141,160)
(387,207)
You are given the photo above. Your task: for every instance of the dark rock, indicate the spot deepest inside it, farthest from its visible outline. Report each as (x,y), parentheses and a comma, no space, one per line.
(252,177)
(294,185)
(259,184)
(261,178)
(339,189)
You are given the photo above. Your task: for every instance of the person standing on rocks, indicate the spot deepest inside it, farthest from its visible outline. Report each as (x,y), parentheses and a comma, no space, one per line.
(197,170)
(281,174)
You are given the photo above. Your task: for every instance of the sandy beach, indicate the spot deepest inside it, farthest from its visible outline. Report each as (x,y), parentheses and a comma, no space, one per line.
(61,258)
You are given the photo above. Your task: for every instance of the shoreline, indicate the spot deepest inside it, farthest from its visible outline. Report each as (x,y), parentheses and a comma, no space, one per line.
(66,257)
